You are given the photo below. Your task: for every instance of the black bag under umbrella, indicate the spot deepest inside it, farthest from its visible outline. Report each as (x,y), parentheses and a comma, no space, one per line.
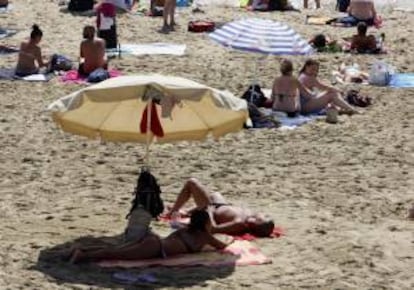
(148,194)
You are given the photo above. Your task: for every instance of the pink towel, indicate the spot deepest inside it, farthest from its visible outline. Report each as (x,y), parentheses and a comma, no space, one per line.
(239,253)
(73,77)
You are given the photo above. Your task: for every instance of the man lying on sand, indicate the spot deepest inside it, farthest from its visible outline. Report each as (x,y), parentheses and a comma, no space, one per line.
(226,218)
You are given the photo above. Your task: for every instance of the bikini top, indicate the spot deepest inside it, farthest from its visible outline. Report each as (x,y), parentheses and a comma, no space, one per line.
(188,241)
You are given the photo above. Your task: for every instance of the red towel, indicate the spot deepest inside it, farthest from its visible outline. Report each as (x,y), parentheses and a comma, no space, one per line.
(156,127)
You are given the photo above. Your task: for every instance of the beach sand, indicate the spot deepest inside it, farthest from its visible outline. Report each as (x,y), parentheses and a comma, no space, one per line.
(341,192)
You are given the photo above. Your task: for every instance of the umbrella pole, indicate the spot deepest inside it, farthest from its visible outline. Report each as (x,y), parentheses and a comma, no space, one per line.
(147,149)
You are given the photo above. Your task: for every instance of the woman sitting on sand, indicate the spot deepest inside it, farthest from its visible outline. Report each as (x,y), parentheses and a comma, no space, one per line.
(191,239)
(29,54)
(328,96)
(285,91)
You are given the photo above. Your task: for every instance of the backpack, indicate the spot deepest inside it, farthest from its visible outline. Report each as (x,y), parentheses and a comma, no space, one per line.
(354,98)
(255,96)
(80,5)
(342,5)
(148,194)
(60,62)
(98,75)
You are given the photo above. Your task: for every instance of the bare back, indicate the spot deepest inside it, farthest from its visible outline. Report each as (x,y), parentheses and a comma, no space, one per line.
(28,55)
(93,52)
(362,9)
(285,94)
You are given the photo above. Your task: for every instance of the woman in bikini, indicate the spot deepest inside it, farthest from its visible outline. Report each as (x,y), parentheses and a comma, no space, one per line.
(191,239)
(324,97)
(30,53)
(286,90)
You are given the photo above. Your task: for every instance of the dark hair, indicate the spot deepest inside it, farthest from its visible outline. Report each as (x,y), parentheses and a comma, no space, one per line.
(362,28)
(286,67)
(36,32)
(319,41)
(147,193)
(198,220)
(264,229)
(308,62)
(89,32)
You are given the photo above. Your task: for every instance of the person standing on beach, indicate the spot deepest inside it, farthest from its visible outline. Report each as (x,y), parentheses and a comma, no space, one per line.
(305,4)
(168,13)
(30,53)
(92,52)
(106,23)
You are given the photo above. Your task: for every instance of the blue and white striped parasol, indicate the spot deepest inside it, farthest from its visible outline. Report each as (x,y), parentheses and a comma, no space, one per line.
(261,35)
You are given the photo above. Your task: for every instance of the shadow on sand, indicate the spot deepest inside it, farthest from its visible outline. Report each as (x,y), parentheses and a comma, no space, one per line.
(53,262)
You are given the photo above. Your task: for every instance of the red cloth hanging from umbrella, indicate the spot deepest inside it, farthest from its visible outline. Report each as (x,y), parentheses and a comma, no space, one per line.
(155,123)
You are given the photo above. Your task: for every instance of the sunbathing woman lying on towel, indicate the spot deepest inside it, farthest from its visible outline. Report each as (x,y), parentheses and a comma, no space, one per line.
(191,239)
(225,217)
(350,74)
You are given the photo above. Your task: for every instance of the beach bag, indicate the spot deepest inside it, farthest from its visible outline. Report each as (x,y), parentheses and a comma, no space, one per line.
(148,194)
(60,63)
(277,5)
(380,73)
(201,26)
(342,5)
(98,75)
(255,95)
(354,98)
(80,5)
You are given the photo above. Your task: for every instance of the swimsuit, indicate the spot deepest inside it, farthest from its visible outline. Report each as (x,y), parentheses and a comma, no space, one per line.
(188,242)
(219,204)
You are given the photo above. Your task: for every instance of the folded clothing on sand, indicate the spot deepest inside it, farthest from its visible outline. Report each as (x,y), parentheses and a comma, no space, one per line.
(73,77)
(239,253)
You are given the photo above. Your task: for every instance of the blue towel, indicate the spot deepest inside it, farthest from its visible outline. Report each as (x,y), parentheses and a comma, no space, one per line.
(402,80)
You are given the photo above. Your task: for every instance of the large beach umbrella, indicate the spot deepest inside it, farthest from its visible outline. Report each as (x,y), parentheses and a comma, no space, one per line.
(262,36)
(147,108)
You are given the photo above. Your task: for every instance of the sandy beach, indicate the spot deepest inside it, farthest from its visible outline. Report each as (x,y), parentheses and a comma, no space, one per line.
(340,191)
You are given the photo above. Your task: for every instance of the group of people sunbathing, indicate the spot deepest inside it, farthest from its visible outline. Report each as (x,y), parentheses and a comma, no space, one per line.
(305,94)
(212,214)
(92,53)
